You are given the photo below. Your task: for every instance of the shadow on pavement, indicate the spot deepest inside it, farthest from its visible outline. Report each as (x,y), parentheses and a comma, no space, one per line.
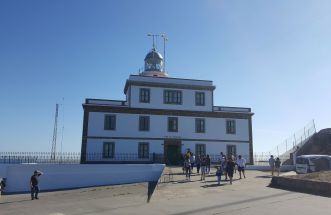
(204,209)
(263,176)
(10,202)
(212,185)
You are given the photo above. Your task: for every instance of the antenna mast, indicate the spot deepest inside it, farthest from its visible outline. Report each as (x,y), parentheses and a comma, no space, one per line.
(53,152)
(154,36)
(165,38)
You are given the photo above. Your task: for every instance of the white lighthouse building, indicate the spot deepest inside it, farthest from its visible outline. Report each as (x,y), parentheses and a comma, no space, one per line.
(163,116)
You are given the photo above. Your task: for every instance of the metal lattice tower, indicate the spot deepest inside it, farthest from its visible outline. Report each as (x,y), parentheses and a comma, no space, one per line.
(53,152)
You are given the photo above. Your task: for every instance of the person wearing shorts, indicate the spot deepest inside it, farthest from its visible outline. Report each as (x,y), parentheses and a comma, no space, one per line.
(241,163)
(230,168)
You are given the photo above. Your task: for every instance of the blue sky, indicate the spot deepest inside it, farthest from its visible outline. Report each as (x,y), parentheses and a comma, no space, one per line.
(272,56)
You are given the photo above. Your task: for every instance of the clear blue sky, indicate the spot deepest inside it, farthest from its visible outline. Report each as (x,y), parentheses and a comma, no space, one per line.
(272,56)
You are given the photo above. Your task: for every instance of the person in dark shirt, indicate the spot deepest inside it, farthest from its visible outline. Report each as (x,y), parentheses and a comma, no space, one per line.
(230,168)
(34,184)
(208,164)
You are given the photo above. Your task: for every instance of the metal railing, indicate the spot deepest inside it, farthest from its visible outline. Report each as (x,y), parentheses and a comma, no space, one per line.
(75,158)
(39,157)
(261,159)
(296,140)
(124,157)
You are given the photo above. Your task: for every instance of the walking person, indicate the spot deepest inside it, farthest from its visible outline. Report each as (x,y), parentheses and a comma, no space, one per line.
(203,167)
(208,164)
(277,165)
(197,163)
(241,163)
(224,164)
(219,174)
(34,181)
(187,166)
(272,164)
(2,185)
(192,161)
(230,168)
(234,159)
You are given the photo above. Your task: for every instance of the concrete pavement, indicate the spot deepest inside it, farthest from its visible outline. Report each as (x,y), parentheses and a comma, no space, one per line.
(246,196)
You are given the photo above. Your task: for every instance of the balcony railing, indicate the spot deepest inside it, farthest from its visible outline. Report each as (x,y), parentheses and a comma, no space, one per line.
(231,109)
(106,102)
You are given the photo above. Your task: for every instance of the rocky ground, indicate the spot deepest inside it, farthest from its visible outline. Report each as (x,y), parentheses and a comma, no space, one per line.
(324,176)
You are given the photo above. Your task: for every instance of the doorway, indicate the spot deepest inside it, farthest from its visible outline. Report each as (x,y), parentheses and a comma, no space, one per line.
(172,152)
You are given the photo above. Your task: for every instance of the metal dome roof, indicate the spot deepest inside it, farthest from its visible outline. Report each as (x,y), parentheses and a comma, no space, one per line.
(153,54)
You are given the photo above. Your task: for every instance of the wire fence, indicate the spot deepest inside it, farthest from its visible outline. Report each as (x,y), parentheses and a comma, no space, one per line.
(75,158)
(39,157)
(261,159)
(295,141)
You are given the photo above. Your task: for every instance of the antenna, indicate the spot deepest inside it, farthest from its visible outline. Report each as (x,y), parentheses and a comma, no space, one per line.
(62,126)
(154,36)
(165,38)
(53,151)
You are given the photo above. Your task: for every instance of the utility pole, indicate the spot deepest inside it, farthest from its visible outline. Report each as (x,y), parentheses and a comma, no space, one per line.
(53,151)
(164,51)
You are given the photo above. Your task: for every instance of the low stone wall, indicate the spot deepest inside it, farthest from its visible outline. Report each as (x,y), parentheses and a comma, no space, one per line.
(302,185)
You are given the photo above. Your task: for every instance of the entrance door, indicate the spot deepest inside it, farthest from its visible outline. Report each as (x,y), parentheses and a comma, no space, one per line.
(231,150)
(172,153)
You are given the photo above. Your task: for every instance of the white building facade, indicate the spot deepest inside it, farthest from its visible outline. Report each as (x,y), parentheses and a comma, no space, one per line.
(163,116)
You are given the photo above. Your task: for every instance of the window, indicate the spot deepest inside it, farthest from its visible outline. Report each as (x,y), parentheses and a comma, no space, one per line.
(144,123)
(200,98)
(144,95)
(231,150)
(200,149)
(143,150)
(172,97)
(173,124)
(200,125)
(108,149)
(230,126)
(110,122)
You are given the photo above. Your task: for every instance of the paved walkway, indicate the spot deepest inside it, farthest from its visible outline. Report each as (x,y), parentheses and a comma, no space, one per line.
(245,196)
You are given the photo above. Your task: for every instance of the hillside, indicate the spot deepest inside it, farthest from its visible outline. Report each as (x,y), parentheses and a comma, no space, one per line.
(319,143)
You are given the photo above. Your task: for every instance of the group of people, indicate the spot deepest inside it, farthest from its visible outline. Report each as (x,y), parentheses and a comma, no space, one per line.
(227,166)
(201,162)
(274,165)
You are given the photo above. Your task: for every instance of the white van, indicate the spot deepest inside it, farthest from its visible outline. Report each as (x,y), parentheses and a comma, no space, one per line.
(312,163)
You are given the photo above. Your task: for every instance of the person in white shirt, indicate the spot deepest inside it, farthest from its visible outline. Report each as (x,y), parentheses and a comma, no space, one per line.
(241,163)
(272,164)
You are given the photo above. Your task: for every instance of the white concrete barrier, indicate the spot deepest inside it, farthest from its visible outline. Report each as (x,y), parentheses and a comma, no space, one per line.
(3,170)
(284,168)
(67,176)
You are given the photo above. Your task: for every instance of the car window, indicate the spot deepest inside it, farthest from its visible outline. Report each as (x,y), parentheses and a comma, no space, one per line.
(302,161)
